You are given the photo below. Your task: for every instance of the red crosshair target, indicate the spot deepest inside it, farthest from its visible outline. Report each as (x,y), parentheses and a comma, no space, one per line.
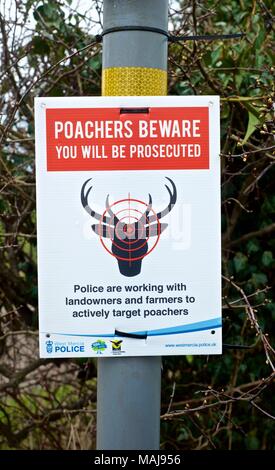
(126,230)
(130,217)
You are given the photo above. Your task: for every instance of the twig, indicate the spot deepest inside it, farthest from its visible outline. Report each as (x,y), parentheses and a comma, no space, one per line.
(256,234)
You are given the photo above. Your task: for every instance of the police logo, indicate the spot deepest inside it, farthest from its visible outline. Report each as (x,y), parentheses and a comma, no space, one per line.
(49,347)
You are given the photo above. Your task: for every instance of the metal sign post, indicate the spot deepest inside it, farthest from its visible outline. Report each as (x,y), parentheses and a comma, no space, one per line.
(117,177)
(134,63)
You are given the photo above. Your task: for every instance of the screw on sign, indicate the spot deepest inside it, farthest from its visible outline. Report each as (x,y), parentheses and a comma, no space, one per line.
(129,239)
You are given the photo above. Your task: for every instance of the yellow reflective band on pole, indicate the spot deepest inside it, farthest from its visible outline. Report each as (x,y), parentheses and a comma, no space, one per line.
(133,81)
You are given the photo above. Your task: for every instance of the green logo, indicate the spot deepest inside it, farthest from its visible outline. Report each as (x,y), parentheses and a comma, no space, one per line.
(99,346)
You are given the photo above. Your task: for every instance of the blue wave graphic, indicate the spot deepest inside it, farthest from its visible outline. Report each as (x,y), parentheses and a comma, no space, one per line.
(199,326)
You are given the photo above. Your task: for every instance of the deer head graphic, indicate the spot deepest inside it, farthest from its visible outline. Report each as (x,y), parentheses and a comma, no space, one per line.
(129,239)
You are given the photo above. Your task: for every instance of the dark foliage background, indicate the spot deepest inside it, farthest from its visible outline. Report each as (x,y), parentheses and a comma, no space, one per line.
(47,49)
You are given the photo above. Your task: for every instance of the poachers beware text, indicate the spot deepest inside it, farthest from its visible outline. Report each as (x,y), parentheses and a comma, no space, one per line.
(127,129)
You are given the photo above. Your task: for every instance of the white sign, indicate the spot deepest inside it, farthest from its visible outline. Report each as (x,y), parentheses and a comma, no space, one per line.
(128,218)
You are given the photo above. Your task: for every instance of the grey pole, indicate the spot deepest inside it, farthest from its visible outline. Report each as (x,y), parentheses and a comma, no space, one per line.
(134,63)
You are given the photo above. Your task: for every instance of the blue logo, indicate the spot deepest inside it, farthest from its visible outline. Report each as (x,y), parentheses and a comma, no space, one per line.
(49,346)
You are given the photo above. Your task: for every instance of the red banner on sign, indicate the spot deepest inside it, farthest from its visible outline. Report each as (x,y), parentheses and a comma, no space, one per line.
(104,139)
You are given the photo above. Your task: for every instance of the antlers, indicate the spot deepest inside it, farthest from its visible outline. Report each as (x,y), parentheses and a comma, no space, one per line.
(91,212)
(145,218)
(173,200)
